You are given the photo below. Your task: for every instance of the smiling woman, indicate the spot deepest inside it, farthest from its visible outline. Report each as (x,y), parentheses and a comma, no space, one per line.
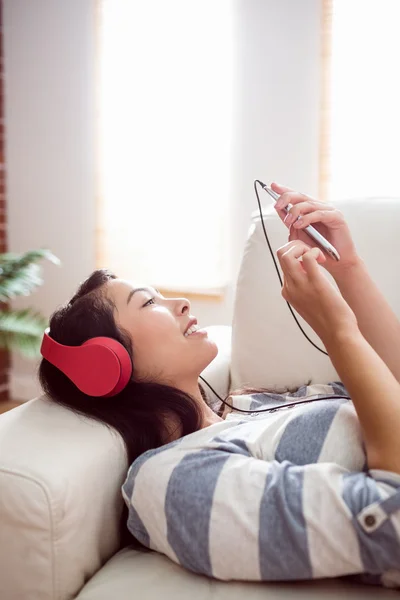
(156,327)
(163,399)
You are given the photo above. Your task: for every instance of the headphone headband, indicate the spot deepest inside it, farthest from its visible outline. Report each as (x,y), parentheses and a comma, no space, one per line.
(101,366)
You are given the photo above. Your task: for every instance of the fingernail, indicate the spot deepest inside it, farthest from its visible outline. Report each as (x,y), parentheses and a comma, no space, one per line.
(298,222)
(288,219)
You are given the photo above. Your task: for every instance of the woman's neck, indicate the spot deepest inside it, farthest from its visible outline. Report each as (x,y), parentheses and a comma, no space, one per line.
(209,416)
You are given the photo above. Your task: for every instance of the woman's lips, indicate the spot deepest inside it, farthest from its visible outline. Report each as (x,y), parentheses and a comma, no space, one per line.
(199,332)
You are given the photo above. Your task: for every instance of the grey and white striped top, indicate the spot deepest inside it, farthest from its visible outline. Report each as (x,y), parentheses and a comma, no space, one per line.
(271,496)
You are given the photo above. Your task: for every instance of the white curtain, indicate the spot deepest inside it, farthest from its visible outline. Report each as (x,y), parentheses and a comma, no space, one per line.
(364,98)
(165,118)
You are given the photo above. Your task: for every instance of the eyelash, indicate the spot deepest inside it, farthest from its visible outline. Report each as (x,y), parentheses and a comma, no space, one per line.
(151,300)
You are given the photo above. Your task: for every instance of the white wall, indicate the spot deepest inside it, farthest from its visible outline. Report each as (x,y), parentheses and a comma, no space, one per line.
(49,48)
(277,101)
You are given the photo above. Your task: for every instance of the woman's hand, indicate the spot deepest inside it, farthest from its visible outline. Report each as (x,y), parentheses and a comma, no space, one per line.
(325,218)
(310,292)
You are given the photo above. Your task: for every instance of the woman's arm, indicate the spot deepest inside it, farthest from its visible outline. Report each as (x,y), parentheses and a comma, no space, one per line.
(375,394)
(376,320)
(374,390)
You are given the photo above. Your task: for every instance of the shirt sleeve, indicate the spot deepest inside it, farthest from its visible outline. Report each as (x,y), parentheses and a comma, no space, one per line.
(223,513)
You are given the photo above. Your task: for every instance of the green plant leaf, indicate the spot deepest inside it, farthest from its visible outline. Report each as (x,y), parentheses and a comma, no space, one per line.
(19,275)
(22,330)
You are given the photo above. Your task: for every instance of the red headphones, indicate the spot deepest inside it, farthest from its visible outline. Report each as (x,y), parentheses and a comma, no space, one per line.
(101,366)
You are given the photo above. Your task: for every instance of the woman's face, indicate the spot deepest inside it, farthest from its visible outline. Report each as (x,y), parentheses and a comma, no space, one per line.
(156,326)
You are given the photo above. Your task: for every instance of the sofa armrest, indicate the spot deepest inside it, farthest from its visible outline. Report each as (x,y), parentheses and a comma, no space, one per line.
(217,373)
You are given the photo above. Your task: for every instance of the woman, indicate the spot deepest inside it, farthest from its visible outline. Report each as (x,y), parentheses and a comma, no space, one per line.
(310,492)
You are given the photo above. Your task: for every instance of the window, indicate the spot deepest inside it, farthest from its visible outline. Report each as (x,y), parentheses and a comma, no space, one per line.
(165,90)
(362,99)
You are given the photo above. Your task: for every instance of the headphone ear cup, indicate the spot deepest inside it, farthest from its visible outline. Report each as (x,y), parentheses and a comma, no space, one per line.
(101,366)
(111,365)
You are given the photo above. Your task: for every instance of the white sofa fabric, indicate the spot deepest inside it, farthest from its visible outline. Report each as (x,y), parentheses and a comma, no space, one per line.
(60,473)
(131,575)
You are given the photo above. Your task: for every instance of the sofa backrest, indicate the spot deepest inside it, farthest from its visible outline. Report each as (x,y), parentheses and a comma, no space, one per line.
(268,348)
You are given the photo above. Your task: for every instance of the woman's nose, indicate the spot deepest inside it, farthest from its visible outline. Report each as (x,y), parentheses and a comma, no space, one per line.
(183,305)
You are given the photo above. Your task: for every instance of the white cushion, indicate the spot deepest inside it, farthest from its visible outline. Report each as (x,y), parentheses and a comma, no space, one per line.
(60,496)
(268,348)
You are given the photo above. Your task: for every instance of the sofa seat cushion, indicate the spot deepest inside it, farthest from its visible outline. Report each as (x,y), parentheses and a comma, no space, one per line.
(133,574)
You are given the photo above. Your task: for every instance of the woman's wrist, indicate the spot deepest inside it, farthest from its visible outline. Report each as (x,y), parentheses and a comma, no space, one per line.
(339,336)
(343,272)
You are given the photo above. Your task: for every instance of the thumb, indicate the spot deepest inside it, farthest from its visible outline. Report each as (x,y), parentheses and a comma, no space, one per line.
(310,261)
(319,255)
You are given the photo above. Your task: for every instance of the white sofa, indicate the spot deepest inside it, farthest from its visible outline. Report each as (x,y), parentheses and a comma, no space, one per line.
(60,474)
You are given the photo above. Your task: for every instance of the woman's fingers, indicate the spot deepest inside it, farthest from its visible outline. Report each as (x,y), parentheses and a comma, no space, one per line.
(310,293)
(280,189)
(289,196)
(331,217)
(289,257)
(295,198)
(303,208)
(310,260)
(330,222)
(297,213)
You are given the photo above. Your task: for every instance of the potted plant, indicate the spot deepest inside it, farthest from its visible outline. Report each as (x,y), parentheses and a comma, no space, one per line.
(21,330)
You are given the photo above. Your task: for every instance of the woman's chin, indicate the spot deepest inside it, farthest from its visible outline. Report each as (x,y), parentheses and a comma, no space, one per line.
(204,347)
(212,349)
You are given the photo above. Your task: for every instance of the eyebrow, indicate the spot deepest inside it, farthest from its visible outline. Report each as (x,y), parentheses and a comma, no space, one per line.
(141,289)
